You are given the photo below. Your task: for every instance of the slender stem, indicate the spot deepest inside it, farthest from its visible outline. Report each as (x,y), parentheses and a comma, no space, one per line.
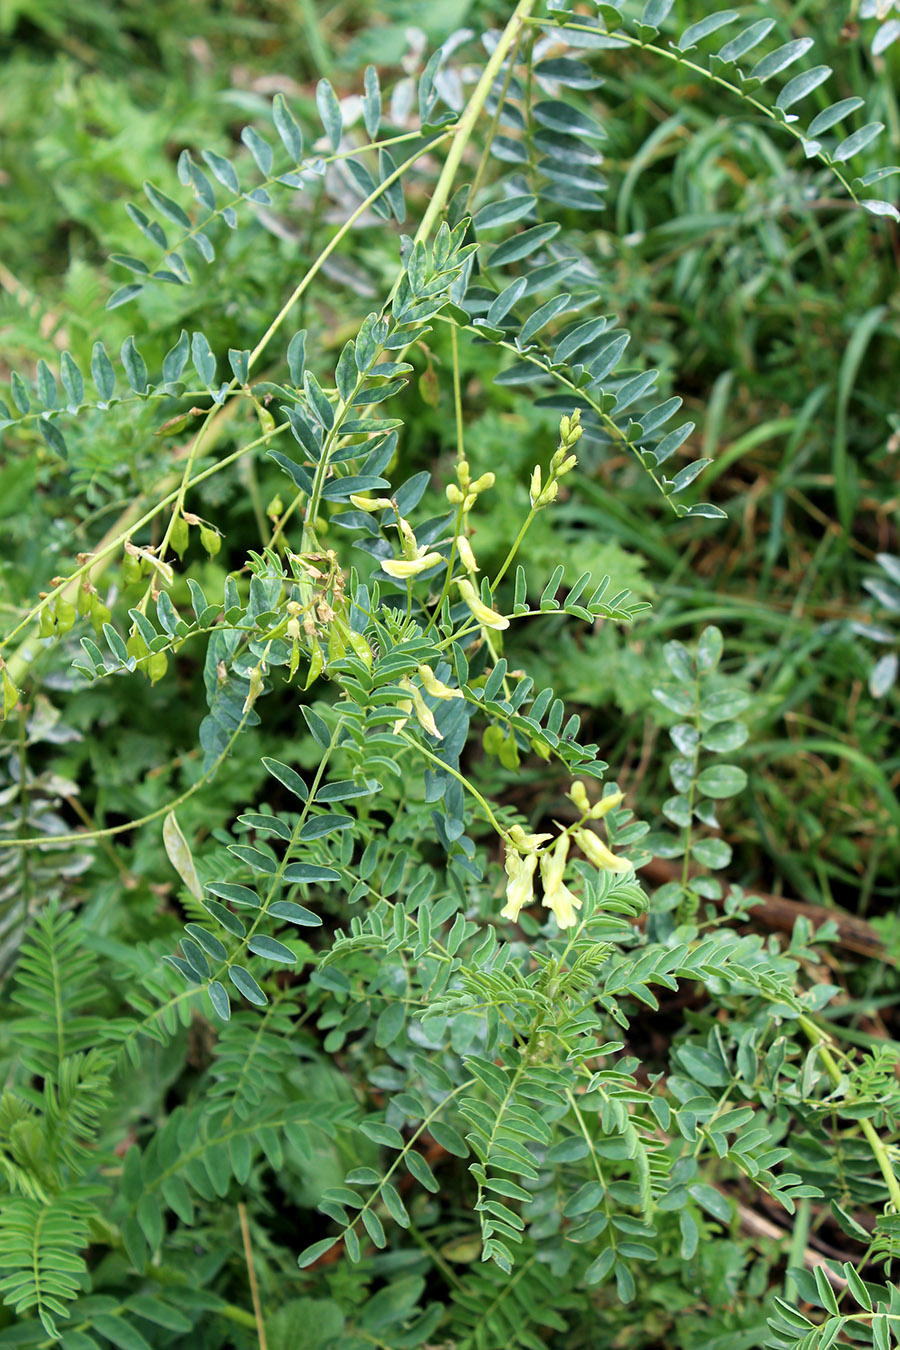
(80,837)
(461,778)
(466,124)
(251,1275)
(344,229)
(819,1038)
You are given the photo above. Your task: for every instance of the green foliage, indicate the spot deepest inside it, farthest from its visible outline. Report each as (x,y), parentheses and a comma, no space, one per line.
(366,1026)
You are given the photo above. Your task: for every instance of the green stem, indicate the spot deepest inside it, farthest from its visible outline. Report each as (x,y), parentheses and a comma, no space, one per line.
(466,124)
(819,1038)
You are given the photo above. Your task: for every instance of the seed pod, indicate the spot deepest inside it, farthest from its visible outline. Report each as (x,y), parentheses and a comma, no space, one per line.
(100,613)
(131,570)
(137,647)
(509,753)
(492,740)
(46,625)
(180,535)
(10,694)
(157,666)
(83,601)
(65,615)
(210,539)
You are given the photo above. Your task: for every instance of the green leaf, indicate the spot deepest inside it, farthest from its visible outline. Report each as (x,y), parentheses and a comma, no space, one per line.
(722,780)
(286,909)
(272,950)
(696,32)
(856,143)
(503,212)
(244,982)
(203,359)
(102,372)
(800,86)
(781,58)
(745,41)
(330,112)
(287,128)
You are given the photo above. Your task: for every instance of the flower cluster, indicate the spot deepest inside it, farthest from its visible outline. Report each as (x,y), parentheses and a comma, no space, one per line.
(523,854)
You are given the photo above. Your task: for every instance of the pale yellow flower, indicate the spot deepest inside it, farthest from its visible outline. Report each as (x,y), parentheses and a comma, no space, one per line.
(520,885)
(403,568)
(424,715)
(596,852)
(557,896)
(488,618)
(364,503)
(527,843)
(606,804)
(436,687)
(466,556)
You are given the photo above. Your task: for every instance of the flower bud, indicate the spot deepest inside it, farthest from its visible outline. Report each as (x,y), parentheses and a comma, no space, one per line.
(606,804)
(401,570)
(364,503)
(466,556)
(256,687)
(535,489)
(596,852)
(488,618)
(579,796)
(454,495)
(407,539)
(462,473)
(487,480)
(434,686)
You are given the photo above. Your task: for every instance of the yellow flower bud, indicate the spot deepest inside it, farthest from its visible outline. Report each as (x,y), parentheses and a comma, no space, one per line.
(402,569)
(527,843)
(256,687)
(579,796)
(424,715)
(466,556)
(535,489)
(462,473)
(407,539)
(606,804)
(488,618)
(454,495)
(364,503)
(436,687)
(487,480)
(596,852)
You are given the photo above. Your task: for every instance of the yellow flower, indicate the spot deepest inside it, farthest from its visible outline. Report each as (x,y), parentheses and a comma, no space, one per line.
(596,851)
(557,896)
(434,686)
(466,556)
(424,715)
(605,804)
(520,886)
(402,568)
(488,618)
(364,503)
(527,843)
